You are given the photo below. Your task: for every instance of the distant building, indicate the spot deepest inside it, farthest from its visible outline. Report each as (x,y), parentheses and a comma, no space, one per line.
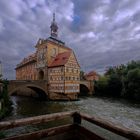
(92,76)
(55,62)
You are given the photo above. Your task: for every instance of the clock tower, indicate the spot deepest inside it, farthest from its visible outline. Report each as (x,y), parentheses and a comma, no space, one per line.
(41,64)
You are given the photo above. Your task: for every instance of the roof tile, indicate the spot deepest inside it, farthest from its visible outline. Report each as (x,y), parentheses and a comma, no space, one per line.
(61,59)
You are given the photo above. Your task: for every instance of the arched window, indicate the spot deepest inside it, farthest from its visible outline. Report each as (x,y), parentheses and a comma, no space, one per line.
(41,75)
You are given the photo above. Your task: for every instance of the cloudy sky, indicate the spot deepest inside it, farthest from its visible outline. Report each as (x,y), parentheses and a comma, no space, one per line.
(101,32)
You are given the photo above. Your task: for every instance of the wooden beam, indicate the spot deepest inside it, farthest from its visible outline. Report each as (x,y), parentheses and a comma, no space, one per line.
(82,132)
(125,132)
(35,120)
(120,130)
(45,133)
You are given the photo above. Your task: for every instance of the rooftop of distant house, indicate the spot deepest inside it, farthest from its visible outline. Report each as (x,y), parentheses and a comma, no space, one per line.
(91,73)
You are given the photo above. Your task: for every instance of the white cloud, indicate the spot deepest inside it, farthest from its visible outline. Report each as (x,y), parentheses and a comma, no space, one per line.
(1,26)
(97,31)
(35,3)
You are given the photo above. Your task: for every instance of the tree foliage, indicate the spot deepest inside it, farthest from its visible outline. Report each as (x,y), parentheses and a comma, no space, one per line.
(82,77)
(5,100)
(132,84)
(122,80)
(114,85)
(0,77)
(101,86)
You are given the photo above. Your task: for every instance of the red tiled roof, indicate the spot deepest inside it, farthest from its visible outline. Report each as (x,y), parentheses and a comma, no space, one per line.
(61,59)
(91,73)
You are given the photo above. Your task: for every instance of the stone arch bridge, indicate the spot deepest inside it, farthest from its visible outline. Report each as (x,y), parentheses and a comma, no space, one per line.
(87,86)
(41,86)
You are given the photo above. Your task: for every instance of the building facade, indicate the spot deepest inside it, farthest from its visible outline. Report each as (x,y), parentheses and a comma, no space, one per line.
(55,62)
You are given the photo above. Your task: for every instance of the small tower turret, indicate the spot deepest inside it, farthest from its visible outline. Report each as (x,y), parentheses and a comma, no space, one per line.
(54,27)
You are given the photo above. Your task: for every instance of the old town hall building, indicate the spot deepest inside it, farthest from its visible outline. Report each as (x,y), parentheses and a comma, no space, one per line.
(54,62)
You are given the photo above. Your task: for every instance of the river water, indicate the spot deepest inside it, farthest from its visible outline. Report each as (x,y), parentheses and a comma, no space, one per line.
(118,111)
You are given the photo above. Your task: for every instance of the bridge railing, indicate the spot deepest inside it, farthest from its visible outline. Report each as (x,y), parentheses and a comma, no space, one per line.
(77,118)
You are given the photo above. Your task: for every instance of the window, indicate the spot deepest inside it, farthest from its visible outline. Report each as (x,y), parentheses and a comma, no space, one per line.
(61,77)
(66,78)
(77,71)
(67,70)
(72,70)
(61,69)
(51,78)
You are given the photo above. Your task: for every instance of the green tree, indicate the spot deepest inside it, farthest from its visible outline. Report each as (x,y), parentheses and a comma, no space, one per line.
(5,95)
(101,86)
(114,85)
(0,77)
(133,64)
(82,77)
(109,71)
(5,100)
(132,84)
(118,70)
(120,81)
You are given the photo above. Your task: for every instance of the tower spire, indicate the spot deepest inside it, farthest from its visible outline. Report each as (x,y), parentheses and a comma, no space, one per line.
(53,17)
(54,27)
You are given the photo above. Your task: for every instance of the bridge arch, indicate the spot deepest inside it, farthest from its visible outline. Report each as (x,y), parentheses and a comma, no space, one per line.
(37,89)
(84,89)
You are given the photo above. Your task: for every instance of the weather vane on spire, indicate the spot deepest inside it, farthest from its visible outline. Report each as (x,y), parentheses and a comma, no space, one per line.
(54,27)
